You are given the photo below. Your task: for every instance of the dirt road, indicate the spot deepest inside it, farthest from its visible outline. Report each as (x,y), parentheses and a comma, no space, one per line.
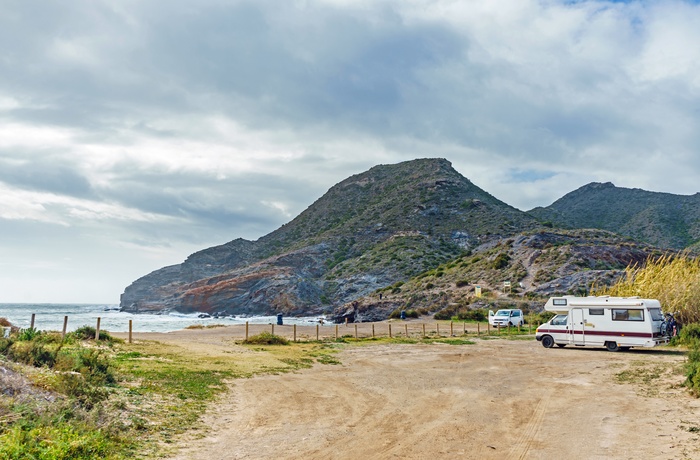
(496,399)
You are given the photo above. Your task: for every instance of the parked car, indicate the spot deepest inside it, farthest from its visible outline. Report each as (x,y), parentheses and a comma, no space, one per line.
(505,318)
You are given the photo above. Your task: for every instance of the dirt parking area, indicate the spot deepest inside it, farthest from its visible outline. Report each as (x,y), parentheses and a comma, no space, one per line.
(496,399)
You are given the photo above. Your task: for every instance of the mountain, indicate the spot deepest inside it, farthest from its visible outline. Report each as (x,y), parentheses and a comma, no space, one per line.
(660,219)
(369,231)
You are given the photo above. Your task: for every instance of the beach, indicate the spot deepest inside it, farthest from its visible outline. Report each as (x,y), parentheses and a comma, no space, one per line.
(497,398)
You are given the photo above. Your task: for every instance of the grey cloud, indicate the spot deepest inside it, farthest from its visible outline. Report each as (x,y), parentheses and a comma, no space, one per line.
(48,174)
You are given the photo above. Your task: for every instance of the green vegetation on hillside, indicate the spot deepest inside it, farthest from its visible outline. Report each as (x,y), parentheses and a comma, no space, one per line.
(660,219)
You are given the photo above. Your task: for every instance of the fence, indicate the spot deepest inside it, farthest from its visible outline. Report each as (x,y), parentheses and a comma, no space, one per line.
(390,329)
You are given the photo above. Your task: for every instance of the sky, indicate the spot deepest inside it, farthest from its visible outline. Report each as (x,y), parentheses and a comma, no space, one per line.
(135,132)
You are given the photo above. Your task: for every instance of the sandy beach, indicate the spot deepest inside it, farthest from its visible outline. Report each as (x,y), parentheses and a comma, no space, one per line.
(496,399)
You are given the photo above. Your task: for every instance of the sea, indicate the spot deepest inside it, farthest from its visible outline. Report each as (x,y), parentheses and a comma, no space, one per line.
(50,316)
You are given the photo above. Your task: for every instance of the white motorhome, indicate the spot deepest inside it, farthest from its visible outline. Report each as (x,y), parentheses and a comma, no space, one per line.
(616,323)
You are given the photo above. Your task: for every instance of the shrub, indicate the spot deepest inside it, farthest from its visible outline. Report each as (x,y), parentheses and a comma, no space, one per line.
(461,283)
(5,344)
(29,334)
(88,333)
(468,314)
(33,353)
(692,370)
(690,334)
(539,318)
(501,261)
(4,322)
(266,338)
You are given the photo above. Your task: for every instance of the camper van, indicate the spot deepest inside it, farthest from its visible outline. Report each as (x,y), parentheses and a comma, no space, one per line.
(616,323)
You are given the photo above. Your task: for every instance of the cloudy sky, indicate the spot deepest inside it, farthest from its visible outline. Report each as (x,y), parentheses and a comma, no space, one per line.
(133,133)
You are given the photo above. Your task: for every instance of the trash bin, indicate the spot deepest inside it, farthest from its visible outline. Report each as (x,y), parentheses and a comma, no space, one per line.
(403,314)
(279,319)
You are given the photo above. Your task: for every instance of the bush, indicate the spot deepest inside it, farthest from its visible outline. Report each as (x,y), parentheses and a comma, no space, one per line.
(501,261)
(690,334)
(33,353)
(480,314)
(692,370)
(539,318)
(29,334)
(461,283)
(88,333)
(266,338)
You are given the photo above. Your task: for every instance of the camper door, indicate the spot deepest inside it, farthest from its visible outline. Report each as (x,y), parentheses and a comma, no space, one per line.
(576,334)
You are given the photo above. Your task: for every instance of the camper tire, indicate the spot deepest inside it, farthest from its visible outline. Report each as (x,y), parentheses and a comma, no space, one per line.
(547,341)
(612,346)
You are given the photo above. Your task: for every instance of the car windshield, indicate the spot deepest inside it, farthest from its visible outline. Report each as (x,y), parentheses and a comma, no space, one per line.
(503,313)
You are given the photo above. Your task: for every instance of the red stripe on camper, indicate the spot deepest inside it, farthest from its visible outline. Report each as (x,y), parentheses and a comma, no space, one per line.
(602,333)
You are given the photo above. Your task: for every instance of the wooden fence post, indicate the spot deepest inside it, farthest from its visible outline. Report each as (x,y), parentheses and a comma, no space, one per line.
(437,329)
(273,329)
(423,330)
(389,330)
(355,331)
(97,329)
(131,328)
(295,332)
(336,332)
(452,332)
(372,330)
(246,330)
(31,326)
(478,329)
(405,327)
(464,328)
(317,327)
(65,325)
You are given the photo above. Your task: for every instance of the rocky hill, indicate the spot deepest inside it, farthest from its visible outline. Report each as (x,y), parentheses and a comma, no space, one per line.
(369,231)
(538,264)
(660,219)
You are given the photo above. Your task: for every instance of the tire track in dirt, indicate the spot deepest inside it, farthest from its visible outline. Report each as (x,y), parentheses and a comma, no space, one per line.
(522,446)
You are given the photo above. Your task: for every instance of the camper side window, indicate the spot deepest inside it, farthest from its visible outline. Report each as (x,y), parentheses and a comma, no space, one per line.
(628,315)
(596,311)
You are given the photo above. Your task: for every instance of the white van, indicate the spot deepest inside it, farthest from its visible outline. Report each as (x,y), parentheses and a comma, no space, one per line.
(616,323)
(504,318)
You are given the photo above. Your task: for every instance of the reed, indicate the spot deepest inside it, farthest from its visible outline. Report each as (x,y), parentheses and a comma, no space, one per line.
(673,279)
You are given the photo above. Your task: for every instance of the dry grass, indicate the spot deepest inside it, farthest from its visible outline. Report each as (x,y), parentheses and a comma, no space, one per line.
(672,279)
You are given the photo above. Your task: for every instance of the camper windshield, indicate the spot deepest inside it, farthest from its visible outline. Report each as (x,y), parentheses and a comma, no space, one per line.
(656,314)
(503,313)
(559,320)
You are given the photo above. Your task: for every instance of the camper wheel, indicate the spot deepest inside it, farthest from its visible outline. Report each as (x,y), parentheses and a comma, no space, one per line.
(611,346)
(547,341)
